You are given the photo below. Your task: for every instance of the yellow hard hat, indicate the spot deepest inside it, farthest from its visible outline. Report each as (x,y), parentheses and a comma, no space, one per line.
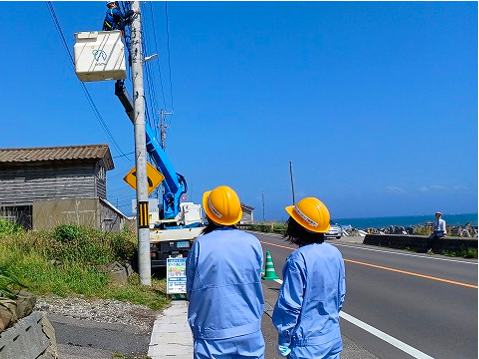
(312,214)
(222,205)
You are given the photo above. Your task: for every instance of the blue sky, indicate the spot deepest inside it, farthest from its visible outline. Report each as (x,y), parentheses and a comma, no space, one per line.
(375,103)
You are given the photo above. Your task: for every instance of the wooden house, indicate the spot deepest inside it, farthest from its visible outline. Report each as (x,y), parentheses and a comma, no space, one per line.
(43,187)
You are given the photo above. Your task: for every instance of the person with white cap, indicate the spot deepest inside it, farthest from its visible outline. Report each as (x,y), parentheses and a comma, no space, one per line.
(306,314)
(439,230)
(224,289)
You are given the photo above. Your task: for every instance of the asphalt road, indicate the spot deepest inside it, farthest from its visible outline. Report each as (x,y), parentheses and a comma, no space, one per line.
(424,302)
(428,304)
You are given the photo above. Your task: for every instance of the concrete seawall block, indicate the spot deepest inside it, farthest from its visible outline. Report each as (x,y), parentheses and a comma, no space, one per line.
(32,337)
(419,243)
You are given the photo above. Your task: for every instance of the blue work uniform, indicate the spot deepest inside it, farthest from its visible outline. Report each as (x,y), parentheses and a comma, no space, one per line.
(114,20)
(226,298)
(306,314)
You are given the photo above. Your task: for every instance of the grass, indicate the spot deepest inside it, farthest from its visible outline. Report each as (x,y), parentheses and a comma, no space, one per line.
(64,262)
(465,253)
(274,227)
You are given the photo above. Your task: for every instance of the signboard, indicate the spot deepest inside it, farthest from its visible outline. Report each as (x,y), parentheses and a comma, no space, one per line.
(176,275)
(154,177)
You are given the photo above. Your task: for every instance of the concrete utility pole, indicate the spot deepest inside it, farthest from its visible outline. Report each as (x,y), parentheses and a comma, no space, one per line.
(292,182)
(163,126)
(262,195)
(144,259)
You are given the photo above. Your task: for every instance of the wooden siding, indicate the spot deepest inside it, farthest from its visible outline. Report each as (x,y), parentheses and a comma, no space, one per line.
(110,220)
(23,184)
(100,180)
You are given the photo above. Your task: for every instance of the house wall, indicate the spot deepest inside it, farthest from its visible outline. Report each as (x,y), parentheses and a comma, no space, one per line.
(247,217)
(23,184)
(110,220)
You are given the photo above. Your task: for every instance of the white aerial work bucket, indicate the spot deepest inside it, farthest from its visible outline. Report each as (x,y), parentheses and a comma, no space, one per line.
(99,56)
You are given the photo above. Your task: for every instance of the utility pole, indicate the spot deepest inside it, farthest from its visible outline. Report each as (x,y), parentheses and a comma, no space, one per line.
(163,127)
(144,259)
(292,182)
(262,195)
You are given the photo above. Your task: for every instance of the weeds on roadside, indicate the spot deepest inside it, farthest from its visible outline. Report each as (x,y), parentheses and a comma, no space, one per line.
(465,253)
(64,262)
(8,228)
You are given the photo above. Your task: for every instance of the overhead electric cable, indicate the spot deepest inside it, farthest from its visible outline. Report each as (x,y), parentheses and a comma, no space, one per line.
(158,52)
(85,90)
(169,53)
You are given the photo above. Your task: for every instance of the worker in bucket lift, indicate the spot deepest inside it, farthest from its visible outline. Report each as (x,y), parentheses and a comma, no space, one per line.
(114,19)
(306,314)
(223,272)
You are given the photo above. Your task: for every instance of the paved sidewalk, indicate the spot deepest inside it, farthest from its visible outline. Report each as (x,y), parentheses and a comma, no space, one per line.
(171,336)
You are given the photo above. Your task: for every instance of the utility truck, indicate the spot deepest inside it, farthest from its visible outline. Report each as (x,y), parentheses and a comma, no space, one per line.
(175,224)
(100,56)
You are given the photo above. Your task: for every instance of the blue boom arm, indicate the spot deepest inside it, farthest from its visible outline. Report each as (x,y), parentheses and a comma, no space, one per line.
(175,184)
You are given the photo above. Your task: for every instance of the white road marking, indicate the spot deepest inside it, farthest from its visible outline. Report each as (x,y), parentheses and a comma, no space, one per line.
(381,335)
(405,254)
(359,246)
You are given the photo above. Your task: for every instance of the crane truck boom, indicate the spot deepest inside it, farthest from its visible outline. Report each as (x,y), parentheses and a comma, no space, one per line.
(177,224)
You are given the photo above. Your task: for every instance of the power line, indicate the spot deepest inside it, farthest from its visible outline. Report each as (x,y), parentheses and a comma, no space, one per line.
(157,50)
(169,53)
(58,28)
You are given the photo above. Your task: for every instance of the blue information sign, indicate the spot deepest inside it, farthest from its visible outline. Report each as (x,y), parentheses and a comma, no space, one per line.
(176,275)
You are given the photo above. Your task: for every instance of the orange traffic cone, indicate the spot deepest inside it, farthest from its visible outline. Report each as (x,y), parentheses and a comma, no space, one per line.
(270,273)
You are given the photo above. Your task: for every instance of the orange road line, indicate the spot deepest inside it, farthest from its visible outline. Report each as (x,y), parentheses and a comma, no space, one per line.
(413,274)
(393,270)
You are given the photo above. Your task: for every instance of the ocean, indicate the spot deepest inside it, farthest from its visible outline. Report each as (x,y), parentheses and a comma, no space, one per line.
(379,222)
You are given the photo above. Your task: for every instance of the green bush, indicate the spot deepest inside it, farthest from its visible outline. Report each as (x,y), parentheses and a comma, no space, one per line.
(69,232)
(8,227)
(89,246)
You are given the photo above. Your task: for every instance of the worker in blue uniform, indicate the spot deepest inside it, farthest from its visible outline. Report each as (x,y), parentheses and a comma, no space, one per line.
(306,314)
(114,19)
(224,283)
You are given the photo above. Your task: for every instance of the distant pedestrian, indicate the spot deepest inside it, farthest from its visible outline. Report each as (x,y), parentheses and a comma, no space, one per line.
(114,19)
(306,314)
(224,283)
(439,230)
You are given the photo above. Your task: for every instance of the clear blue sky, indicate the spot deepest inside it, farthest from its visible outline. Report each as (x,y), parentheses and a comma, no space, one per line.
(375,103)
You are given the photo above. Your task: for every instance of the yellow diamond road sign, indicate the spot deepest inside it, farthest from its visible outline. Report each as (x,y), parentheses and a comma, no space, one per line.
(154,178)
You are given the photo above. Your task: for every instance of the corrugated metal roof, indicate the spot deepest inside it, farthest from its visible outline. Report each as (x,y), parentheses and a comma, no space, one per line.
(62,153)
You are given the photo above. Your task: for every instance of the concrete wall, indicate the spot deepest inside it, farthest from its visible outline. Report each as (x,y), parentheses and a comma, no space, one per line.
(49,214)
(90,212)
(419,243)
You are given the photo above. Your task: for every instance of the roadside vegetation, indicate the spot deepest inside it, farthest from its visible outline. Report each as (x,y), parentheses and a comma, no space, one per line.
(465,253)
(273,227)
(65,261)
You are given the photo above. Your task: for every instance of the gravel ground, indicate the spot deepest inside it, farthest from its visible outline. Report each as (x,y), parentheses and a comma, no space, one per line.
(100,310)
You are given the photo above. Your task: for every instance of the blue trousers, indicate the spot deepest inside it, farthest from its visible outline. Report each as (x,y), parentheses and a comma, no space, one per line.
(329,350)
(245,346)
